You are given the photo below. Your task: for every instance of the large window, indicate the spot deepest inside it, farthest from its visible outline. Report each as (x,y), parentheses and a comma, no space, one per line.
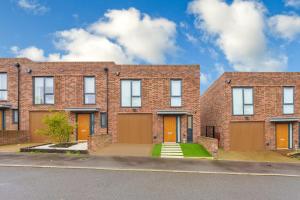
(3,86)
(43,90)
(89,90)
(131,93)
(176,93)
(242,101)
(288,100)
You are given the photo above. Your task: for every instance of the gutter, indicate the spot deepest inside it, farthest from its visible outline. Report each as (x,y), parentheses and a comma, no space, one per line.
(106,71)
(18,66)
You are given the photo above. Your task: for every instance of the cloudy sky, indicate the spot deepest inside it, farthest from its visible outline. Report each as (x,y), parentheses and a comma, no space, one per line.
(220,35)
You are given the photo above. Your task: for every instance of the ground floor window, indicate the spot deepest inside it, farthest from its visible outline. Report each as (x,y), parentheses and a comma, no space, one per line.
(15,116)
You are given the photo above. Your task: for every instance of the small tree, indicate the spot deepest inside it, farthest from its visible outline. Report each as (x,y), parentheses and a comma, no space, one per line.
(57,127)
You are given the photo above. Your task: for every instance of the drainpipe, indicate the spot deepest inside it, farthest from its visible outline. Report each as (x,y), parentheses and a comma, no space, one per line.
(106,71)
(18,66)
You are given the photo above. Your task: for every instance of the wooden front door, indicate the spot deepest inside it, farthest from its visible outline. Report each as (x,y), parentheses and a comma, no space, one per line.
(83,126)
(282,136)
(170,129)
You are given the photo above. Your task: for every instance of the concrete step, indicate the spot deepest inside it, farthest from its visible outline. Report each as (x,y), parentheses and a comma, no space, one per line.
(177,149)
(171,156)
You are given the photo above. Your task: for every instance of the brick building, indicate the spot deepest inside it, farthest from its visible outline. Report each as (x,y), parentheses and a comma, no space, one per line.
(253,111)
(118,103)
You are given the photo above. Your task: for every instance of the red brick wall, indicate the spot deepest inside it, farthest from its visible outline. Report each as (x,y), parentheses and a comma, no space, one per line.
(68,78)
(156,94)
(268,91)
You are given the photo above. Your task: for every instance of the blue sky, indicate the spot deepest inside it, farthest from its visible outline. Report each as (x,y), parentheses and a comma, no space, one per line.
(219,35)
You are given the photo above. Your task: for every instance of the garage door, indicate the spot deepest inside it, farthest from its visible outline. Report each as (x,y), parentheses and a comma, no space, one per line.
(134,128)
(247,136)
(35,123)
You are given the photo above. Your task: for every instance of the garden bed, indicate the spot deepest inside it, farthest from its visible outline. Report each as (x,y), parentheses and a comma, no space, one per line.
(58,148)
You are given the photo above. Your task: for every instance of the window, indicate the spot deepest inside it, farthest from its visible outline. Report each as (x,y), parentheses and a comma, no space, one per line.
(131,93)
(3,86)
(288,100)
(176,93)
(89,90)
(15,118)
(43,90)
(103,118)
(242,101)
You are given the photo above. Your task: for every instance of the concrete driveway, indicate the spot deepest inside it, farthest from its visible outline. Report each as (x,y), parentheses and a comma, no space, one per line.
(260,156)
(137,150)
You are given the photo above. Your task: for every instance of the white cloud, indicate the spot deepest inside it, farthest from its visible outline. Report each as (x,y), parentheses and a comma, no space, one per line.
(285,26)
(123,36)
(204,78)
(32,6)
(33,53)
(239,32)
(192,39)
(292,3)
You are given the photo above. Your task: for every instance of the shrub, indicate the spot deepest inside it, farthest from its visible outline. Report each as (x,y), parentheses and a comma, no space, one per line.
(57,128)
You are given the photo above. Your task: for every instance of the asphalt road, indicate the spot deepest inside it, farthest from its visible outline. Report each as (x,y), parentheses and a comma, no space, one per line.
(49,183)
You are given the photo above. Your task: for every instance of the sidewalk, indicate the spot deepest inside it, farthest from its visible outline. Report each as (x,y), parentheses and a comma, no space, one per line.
(139,164)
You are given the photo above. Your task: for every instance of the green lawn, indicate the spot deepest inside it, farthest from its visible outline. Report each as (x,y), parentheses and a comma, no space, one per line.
(156,150)
(194,150)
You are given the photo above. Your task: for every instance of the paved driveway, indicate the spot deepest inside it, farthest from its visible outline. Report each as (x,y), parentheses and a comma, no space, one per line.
(139,150)
(261,156)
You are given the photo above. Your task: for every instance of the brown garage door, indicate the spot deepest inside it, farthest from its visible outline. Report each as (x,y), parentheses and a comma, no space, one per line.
(135,128)
(247,136)
(35,123)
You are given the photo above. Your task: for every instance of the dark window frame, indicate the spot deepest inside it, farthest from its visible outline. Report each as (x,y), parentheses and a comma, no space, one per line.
(14,116)
(44,88)
(5,90)
(175,96)
(288,104)
(244,104)
(131,96)
(86,93)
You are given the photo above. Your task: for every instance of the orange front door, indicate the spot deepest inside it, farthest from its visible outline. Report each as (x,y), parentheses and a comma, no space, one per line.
(170,129)
(83,124)
(282,136)
(1,120)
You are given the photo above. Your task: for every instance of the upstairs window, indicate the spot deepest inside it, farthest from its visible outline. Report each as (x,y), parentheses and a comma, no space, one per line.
(288,100)
(242,101)
(3,86)
(89,90)
(43,90)
(176,93)
(131,93)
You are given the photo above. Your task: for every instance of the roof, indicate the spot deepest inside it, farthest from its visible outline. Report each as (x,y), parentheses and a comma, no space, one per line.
(285,119)
(172,112)
(82,109)
(4,106)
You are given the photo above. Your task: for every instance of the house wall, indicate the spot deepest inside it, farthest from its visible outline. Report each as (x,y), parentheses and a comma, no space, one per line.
(156,95)
(268,99)
(68,91)
(213,105)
